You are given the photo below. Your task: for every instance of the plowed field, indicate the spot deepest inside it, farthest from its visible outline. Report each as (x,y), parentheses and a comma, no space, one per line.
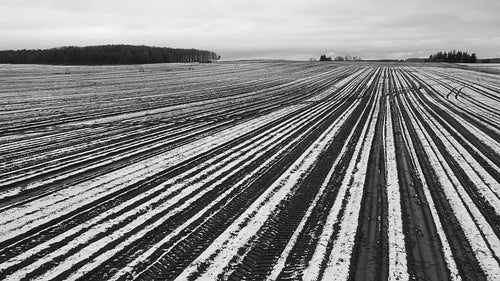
(255,170)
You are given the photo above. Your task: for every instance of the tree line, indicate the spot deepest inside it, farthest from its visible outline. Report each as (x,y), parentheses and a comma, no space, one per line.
(347,58)
(339,58)
(105,55)
(453,56)
(325,58)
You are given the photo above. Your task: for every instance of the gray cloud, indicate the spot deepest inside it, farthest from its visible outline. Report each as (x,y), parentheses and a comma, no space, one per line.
(259,28)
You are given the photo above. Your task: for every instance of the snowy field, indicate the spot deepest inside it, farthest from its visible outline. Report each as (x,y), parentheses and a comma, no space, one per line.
(255,170)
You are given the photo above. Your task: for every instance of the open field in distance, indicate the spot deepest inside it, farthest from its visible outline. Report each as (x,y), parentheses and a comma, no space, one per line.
(492,68)
(258,170)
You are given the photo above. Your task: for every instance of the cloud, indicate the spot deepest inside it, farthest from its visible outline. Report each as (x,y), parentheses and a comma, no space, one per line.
(240,28)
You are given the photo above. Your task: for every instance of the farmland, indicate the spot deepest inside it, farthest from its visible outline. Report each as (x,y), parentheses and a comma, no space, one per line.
(249,170)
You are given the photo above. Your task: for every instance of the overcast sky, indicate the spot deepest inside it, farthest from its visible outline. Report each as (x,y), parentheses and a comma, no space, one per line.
(259,28)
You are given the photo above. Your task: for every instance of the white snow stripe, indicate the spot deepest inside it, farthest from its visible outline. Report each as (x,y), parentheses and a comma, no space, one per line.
(398,269)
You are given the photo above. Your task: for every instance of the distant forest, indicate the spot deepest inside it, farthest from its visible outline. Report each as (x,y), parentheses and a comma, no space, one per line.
(105,55)
(453,56)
